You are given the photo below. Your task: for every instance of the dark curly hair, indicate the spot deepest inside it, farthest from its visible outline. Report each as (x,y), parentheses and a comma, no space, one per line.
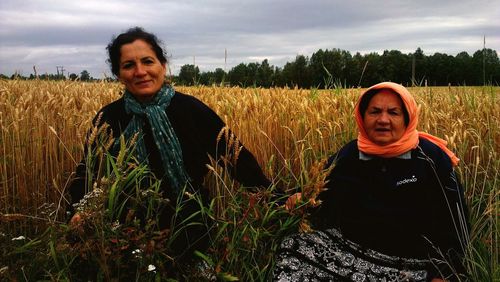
(130,36)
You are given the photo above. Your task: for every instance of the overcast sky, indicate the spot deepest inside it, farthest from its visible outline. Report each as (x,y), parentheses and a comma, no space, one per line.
(74,33)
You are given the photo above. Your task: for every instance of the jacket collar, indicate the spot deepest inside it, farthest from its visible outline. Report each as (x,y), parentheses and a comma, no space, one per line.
(367,157)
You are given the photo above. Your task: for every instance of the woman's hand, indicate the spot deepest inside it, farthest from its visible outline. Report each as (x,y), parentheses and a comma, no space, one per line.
(437,280)
(292,201)
(75,220)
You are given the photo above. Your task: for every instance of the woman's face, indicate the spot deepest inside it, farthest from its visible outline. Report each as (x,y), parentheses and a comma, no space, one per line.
(140,70)
(384,118)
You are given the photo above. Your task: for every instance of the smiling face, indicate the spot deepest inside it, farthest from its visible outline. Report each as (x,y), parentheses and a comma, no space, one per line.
(140,70)
(383,120)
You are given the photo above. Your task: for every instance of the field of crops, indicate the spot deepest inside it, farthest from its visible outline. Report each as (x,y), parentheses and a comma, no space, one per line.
(43,124)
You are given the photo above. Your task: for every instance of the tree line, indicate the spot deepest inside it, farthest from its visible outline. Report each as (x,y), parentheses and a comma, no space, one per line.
(84,76)
(338,68)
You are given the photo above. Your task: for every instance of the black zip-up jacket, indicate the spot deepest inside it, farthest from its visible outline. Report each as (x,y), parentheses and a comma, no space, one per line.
(400,207)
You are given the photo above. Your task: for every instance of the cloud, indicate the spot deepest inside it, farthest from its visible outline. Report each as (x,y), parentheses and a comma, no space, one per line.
(75,33)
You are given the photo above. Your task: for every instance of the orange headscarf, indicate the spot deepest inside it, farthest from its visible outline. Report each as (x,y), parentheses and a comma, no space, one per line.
(410,137)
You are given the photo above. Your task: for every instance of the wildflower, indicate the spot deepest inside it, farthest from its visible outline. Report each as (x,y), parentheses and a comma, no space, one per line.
(19,238)
(146,193)
(104,181)
(137,253)
(151,267)
(115,225)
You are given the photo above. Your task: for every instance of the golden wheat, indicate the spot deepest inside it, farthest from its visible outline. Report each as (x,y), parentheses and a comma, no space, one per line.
(43,124)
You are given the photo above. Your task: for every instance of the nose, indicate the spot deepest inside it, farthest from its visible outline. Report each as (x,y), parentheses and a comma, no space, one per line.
(383,118)
(140,70)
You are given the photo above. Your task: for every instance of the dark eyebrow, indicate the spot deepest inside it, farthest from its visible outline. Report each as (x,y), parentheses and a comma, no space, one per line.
(126,62)
(395,108)
(389,109)
(373,110)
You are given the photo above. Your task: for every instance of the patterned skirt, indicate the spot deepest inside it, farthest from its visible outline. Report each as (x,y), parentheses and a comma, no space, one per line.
(327,256)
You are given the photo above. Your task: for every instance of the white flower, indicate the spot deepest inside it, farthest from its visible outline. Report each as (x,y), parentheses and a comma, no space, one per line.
(19,238)
(114,227)
(137,253)
(151,267)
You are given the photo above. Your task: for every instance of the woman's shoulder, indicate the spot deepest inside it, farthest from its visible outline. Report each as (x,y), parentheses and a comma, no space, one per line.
(181,99)
(430,150)
(111,112)
(183,103)
(117,105)
(348,151)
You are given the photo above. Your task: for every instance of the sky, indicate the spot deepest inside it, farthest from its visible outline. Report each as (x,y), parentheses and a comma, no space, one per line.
(50,34)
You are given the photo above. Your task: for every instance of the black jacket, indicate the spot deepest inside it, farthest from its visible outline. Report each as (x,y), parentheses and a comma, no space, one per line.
(400,207)
(197,128)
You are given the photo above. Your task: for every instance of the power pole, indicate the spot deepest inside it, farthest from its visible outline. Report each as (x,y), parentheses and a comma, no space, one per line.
(484,60)
(62,70)
(194,69)
(413,71)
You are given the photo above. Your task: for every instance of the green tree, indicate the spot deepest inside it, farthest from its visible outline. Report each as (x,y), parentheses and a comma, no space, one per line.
(265,74)
(396,66)
(189,75)
(239,75)
(317,70)
(420,61)
(373,71)
(487,66)
(219,76)
(85,76)
(252,69)
(206,78)
(440,66)
(359,65)
(462,70)
(338,67)
(296,73)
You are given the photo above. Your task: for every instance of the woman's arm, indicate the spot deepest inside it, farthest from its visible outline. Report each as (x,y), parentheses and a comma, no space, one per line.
(450,223)
(220,145)
(113,115)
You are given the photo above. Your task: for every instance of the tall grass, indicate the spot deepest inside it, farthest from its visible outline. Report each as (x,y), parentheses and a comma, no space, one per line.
(43,124)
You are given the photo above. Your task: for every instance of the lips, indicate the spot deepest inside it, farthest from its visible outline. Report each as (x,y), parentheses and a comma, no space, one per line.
(143,83)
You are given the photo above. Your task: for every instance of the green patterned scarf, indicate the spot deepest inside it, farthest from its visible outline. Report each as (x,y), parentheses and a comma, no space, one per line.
(163,134)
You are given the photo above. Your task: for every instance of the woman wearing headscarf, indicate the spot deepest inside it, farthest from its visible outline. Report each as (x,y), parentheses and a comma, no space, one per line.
(392,210)
(176,134)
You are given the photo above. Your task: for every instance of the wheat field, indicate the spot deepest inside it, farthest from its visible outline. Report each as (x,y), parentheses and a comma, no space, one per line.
(43,126)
